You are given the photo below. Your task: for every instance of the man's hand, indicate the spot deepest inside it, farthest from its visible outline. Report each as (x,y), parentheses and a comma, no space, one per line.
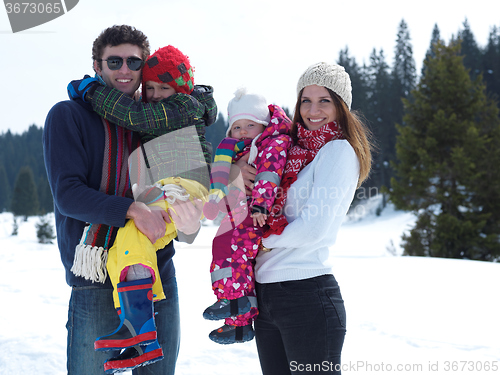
(186,215)
(78,89)
(149,221)
(247,172)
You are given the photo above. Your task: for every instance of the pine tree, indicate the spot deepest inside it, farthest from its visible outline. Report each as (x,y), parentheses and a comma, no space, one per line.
(403,78)
(436,37)
(18,150)
(486,188)
(470,50)
(4,190)
(379,115)
(44,230)
(359,87)
(446,151)
(45,195)
(25,198)
(9,155)
(491,63)
(404,71)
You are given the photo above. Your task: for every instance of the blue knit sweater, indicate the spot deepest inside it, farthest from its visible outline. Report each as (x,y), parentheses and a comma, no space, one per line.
(73,145)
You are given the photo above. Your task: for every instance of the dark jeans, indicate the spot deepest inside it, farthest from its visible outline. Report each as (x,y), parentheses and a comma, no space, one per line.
(301,326)
(92,314)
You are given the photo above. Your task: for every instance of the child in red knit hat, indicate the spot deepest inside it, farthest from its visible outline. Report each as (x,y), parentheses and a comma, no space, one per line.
(165,73)
(170,168)
(168,69)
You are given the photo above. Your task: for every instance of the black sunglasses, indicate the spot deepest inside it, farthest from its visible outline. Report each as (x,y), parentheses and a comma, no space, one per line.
(116,62)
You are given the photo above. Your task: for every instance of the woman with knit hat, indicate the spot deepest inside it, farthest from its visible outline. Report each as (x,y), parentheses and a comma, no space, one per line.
(302,320)
(261,133)
(175,166)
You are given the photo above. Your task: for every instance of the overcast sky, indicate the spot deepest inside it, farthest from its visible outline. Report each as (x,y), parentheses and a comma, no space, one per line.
(264,45)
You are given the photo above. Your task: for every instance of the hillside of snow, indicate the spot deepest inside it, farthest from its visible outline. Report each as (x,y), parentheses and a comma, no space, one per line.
(405,315)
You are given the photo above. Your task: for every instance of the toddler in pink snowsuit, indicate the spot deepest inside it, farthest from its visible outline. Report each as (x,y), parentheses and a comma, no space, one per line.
(262,132)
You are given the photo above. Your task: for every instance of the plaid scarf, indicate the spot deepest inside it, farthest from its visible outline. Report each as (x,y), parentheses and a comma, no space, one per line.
(91,252)
(308,145)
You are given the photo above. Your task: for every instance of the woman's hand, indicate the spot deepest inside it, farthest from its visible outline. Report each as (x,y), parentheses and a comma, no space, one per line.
(247,172)
(137,95)
(259,218)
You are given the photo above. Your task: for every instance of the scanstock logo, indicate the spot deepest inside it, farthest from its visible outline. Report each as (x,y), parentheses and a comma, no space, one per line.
(29,14)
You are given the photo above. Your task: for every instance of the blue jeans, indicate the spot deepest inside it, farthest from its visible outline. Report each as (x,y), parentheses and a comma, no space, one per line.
(92,314)
(300,327)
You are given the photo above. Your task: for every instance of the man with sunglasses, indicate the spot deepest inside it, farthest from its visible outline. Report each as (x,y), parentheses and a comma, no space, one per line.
(86,162)
(124,77)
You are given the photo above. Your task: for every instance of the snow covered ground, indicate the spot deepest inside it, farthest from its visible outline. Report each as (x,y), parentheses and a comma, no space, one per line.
(405,315)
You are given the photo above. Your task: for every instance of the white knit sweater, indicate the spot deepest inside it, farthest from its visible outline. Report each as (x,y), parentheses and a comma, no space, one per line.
(316,205)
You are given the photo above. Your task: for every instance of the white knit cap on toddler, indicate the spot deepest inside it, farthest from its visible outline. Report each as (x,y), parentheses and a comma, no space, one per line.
(247,106)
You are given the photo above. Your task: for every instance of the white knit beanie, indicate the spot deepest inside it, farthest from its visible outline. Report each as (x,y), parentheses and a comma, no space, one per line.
(331,76)
(247,106)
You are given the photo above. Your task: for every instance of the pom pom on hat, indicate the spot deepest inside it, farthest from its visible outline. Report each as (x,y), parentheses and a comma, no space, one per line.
(247,106)
(331,76)
(169,65)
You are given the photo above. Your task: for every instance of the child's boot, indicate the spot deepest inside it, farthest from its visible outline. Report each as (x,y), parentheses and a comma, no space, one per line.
(137,324)
(229,334)
(224,308)
(130,358)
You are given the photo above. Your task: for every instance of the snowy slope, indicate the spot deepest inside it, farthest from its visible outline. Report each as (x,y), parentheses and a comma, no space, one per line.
(405,315)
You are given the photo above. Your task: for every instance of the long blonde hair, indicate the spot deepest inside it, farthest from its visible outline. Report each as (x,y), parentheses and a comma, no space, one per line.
(354,129)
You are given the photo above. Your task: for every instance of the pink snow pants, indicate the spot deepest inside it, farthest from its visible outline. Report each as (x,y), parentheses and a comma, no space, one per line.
(234,250)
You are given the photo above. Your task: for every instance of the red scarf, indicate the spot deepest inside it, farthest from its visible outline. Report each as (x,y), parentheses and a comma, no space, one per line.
(308,145)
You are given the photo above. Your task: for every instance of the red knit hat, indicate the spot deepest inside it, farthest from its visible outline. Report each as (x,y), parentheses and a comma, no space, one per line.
(169,65)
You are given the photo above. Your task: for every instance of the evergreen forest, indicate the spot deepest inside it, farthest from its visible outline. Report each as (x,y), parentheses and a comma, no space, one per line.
(436,134)
(24,189)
